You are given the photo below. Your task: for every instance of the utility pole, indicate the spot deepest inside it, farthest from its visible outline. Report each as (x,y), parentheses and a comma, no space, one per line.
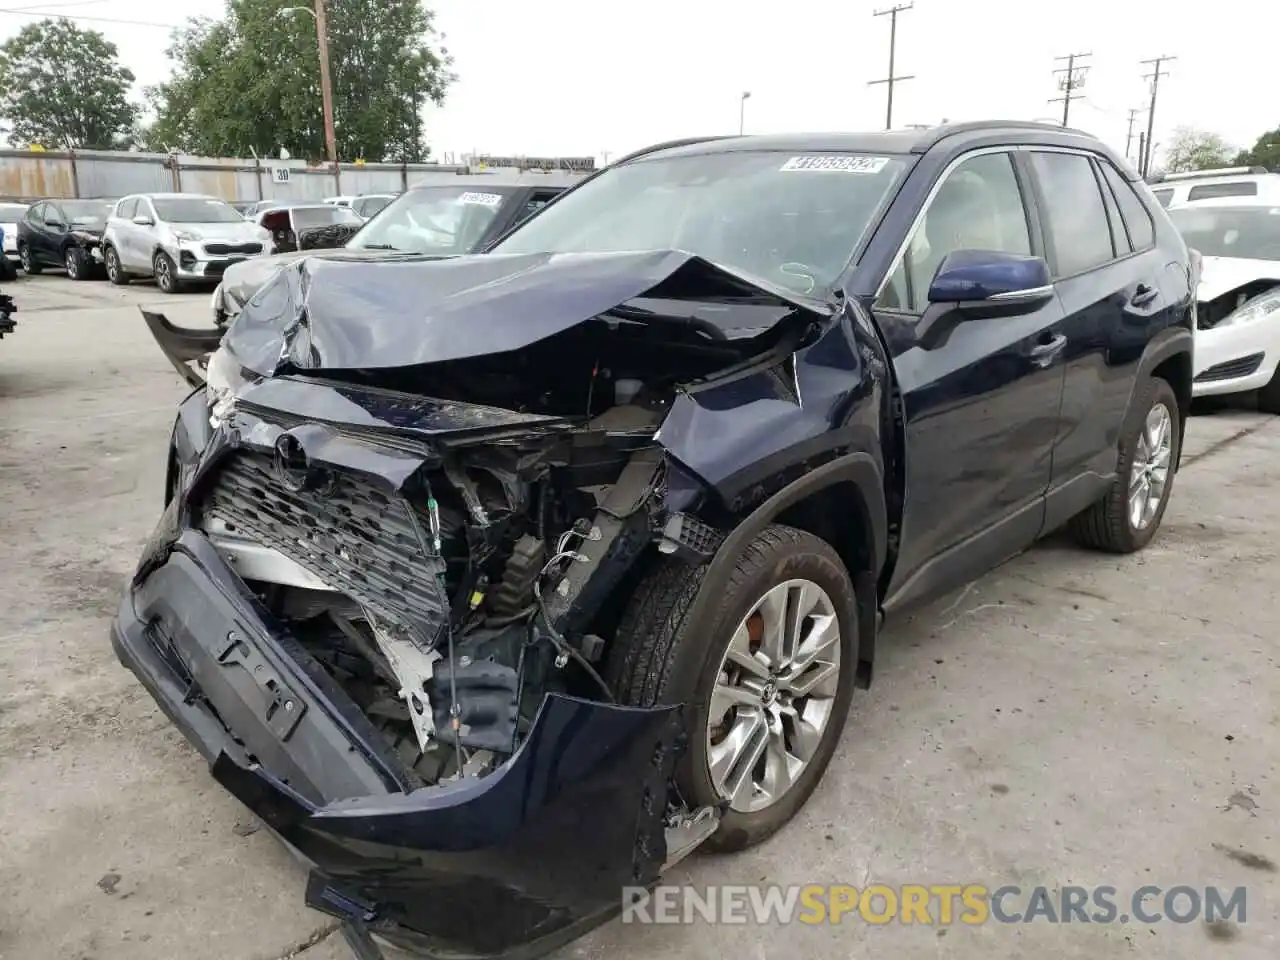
(326,93)
(1142,151)
(1154,77)
(891,79)
(1128,138)
(742,111)
(1072,79)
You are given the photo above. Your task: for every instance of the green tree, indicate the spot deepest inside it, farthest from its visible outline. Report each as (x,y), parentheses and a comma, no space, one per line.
(1192,149)
(1264,153)
(64,87)
(250,82)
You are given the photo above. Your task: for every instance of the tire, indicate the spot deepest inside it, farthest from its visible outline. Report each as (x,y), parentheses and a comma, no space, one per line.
(660,657)
(76,263)
(166,273)
(1109,524)
(115,270)
(29,265)
(1269,396)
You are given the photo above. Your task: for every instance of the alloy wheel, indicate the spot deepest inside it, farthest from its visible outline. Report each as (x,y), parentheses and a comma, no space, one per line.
(774,694)
(25,256)
(73,270)
(1149,473)
(113,265)
(164,276)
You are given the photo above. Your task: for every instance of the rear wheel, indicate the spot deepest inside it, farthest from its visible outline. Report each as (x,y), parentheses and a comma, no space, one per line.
(768,674)
(1127,518)
(115,272)
(29,264)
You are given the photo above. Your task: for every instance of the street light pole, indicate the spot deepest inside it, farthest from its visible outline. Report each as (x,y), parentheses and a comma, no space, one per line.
(742,111)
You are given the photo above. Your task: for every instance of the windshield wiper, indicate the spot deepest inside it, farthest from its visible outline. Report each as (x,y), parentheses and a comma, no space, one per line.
(380,246)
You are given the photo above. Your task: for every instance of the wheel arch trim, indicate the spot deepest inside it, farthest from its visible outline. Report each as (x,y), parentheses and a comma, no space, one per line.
(863,471)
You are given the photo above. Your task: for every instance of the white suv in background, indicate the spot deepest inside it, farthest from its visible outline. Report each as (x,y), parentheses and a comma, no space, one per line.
(1238,296)
(177,238)
(1175,188)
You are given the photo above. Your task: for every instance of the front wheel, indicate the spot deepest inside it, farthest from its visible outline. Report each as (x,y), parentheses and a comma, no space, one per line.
(76,264)
(768,674)
(1127,518)
(115,272)
(1269,396)
(29,265)
(166,273)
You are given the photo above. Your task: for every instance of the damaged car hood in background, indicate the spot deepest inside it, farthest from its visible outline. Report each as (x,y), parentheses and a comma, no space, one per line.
(341,314)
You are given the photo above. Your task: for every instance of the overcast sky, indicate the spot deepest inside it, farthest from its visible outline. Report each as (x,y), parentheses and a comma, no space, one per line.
(578,79)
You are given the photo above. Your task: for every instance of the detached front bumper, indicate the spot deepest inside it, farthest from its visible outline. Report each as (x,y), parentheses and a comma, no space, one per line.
(510,865)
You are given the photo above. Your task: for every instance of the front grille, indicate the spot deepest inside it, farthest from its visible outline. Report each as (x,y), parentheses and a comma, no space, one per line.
(350,534)
(226,249)
(1231,369)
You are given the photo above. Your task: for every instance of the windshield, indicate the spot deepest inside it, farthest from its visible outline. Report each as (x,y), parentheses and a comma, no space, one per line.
(11,212)
(87,211)
(306,217)
(1246,233)
(793,220)
(195,210)
(434,220)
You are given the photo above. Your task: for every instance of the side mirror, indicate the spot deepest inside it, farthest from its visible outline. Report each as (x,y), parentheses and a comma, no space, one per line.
(143,220)
(991,283)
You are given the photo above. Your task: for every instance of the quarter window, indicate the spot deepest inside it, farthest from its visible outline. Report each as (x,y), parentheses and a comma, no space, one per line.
(1077,219)
(978,207)
(1164,196)
(1137,218)
(128,208)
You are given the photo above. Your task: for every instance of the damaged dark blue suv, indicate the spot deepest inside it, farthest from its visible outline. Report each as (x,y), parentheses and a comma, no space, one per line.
(495,585)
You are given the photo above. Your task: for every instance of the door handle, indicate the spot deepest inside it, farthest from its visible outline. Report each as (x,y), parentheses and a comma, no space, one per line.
(1046,351)
(1143,295)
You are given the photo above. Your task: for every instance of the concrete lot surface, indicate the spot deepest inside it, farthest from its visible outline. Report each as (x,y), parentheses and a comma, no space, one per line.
(1068,719)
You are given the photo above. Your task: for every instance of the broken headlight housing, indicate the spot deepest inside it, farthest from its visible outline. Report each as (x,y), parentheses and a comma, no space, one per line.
(223,378)
(1260,307)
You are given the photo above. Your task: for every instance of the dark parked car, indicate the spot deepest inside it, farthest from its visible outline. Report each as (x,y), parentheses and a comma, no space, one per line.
(430,221)
(64,233)
(494,585)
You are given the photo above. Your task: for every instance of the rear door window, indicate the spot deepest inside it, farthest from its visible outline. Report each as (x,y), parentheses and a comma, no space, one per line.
(128,208)
(1137,218)
(1078,231)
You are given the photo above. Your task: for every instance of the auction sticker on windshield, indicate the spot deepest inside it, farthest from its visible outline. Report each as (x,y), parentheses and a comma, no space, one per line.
(484,199)
(840,163)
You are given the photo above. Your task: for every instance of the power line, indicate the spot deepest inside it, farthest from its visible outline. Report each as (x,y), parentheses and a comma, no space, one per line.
(1154,77)
(1072,79)
(891,79)
(66,16)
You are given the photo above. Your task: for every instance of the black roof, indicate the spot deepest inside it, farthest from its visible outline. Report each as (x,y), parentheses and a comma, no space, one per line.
(886,141)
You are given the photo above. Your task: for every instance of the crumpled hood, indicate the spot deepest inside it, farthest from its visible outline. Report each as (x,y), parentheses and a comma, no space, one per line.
(1219,275)
(242,280)
(338,314)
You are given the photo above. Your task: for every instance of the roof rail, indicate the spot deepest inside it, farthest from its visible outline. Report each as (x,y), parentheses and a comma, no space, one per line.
(1207,174)
(670,145)
(942,131)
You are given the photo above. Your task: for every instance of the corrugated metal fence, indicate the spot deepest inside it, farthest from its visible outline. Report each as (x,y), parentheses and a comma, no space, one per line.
(30,175)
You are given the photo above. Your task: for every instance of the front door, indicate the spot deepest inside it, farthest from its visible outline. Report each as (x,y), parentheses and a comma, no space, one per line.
(981,398)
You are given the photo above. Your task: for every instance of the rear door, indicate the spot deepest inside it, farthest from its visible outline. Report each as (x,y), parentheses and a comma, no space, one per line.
(55,230)
(1100,242)
(123,228)
(981,397)
(35,232)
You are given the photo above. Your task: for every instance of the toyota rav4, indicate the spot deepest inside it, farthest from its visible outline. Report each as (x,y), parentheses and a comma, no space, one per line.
(495,585)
